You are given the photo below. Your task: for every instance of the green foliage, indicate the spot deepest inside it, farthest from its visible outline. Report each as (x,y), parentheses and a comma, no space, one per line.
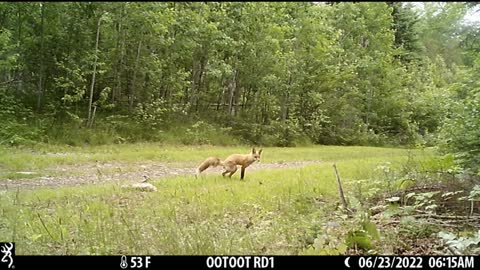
(423,201)
(328,241)
(462,245)
(407,37)
(474,193)
(442,40)
(204,133)
(345,74)
(461,129)
(473,196)
(15,120)
(154,114)
(284,134)
(359,239)
(365,237)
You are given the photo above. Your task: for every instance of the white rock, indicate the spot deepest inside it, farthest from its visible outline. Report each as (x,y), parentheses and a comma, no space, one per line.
(141,186)
(26,173)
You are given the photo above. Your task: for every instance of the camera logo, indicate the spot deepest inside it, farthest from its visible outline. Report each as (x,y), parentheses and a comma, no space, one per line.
(7,252)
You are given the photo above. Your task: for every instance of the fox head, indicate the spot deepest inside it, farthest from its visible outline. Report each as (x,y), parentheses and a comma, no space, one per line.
(255,155)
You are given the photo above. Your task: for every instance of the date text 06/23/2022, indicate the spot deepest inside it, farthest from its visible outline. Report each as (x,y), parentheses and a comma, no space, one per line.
(416,262)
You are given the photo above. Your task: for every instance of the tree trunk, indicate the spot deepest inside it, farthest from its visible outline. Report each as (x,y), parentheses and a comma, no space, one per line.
(93,116)
(284,108)
(134,79)
(340,190)
(19,45)
(220,97)
(197,79)
(206,84)
(232,88)
(121,64)
(369,99)
(40,88)
(245,95)
(116,91)
(90,100)
(194,82)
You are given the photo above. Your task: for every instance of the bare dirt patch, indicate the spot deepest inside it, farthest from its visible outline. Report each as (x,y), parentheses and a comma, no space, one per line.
(98,173)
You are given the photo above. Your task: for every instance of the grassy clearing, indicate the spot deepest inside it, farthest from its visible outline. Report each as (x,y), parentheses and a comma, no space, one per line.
(272,212)
(43,157)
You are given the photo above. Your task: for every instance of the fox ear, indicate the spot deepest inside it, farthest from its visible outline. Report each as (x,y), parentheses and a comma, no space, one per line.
(260,151)
(253,150)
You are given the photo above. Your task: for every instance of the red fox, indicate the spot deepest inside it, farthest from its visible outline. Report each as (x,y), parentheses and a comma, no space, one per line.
(231,162)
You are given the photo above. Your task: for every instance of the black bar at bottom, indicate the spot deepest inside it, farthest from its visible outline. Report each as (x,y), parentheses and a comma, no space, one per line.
(244,262)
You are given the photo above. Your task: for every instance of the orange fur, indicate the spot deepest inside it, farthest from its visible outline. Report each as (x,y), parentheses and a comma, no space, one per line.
(231,162)
(211,161)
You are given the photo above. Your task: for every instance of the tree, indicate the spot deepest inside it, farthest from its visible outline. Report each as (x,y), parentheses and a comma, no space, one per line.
(407,39)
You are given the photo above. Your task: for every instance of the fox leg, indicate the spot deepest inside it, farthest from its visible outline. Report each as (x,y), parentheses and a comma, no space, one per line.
(232,171)
(229,168)
(242,173)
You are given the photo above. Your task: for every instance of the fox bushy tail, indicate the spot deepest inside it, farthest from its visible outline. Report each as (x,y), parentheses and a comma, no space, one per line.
(209,162)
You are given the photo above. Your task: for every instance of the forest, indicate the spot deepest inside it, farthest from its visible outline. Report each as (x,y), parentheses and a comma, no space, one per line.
(212,76)
(280,74)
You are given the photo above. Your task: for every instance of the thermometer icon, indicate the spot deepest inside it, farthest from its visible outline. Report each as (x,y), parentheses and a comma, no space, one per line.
(123,262)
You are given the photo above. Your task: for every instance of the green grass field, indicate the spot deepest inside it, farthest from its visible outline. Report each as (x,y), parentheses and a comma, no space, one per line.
(271,212)
(45,156)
